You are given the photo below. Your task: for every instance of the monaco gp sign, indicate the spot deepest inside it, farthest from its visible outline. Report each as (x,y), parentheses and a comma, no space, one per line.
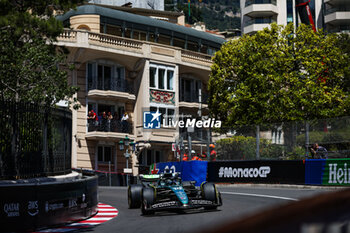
(259,171)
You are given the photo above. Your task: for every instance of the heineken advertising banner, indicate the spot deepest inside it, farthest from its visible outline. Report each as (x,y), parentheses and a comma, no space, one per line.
(327,171)
(336,172)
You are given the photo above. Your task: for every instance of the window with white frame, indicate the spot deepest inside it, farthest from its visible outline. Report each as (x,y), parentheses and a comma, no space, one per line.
(105,75)
(168,115)
(161,77)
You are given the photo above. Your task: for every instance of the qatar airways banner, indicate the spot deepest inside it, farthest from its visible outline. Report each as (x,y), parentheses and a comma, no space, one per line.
(257,171)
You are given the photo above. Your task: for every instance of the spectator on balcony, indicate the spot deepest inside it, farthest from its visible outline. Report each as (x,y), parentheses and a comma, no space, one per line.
(92,120)
(115,123)
(104,122)
(125,123)
(109,121)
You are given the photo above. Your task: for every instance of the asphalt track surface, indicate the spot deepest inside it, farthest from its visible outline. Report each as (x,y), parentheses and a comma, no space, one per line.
(237,203)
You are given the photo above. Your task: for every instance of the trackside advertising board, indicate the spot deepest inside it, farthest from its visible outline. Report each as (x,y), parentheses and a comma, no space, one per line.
(327,172)
(257,171)
(336,172)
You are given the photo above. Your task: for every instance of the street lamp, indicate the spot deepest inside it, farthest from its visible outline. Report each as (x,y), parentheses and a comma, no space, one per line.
(125,145)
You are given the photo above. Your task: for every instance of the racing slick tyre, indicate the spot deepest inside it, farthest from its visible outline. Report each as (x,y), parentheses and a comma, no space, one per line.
(148,198)
(134,196)
(209,193)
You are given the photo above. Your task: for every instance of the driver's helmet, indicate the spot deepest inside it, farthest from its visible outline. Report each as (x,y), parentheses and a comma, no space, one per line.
(169,181)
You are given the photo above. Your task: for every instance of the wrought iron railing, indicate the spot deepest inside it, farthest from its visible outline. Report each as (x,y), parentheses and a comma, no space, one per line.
(35,140)
(194,97)
(104,125)
(120,85)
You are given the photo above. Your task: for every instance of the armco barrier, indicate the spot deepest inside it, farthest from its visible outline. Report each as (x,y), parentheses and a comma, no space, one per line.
(327,172)
(44,202)
(192,170)
(257,171)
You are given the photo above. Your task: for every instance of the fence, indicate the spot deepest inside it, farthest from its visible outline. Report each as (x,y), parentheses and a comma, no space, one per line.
(35,140)
(285,141)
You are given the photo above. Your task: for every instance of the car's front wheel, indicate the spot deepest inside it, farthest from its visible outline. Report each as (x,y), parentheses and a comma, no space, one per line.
(134,196)
(148,198)
(209,193)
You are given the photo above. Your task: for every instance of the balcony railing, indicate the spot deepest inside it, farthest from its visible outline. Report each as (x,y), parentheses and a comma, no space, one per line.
(340,28)
(114,126)
(248,3)
(193,97)
(259,21)
(111,41)
(120,85)
(337,9)
(196,56)
(115,40)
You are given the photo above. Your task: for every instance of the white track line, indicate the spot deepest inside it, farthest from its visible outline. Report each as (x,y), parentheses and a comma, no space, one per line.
(260,195)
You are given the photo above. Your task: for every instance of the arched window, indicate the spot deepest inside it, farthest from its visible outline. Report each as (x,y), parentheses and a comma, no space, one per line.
(84,27)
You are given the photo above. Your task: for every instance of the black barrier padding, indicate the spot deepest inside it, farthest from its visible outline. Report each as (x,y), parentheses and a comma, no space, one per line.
(25,207)
(257,171)
(117,179)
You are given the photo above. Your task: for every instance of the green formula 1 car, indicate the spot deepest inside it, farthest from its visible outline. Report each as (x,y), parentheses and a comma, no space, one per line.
(167,192)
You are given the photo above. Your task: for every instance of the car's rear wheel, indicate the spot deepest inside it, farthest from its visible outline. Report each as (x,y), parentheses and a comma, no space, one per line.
(209,193)
(135,196)
(148,198)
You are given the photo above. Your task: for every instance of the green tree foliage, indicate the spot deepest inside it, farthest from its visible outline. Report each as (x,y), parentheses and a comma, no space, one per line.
(277,75)
(29,61)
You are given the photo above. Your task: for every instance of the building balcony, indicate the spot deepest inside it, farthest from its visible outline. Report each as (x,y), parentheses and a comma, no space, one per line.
(255,25)
(336,1)
(260,8)
(108,130)
(338,15)
(193,100)
(121,90)
(339,29)
(132,47)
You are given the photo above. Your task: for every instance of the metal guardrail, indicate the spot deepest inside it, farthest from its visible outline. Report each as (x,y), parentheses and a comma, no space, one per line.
(35,140)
